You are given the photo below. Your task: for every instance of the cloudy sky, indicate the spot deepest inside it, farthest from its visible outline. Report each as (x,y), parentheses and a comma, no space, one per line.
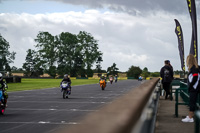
(129,32)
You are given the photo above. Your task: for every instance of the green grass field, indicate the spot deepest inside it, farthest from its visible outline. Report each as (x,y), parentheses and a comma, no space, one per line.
(30,84)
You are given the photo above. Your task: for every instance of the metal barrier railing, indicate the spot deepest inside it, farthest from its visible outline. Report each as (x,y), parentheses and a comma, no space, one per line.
(197,121)
(148,125)
(175,83)
(183,93)
(128,114)
(197,115)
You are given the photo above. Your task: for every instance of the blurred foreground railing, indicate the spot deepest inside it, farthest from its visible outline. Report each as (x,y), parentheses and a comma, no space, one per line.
(134,112)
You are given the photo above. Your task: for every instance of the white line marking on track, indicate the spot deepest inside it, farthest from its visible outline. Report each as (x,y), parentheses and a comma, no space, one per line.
(52,109)
(52,102)
(78,110)
(42,122)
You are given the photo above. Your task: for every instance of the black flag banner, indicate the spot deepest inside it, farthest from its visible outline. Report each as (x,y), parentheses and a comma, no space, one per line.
(194,44)
(179,33)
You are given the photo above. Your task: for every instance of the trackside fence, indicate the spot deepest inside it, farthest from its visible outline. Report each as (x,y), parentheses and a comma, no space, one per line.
(183,92)
(134,112)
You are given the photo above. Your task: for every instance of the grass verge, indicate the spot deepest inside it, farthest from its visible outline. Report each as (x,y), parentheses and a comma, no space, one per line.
(31,84)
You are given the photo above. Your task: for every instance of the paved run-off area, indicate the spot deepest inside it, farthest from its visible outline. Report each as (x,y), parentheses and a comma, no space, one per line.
(42,111)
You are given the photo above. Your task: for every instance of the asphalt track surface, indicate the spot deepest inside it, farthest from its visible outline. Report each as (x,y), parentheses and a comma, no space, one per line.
(45,111)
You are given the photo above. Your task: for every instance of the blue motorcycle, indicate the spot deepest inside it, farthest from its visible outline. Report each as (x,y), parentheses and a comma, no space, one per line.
(65,89)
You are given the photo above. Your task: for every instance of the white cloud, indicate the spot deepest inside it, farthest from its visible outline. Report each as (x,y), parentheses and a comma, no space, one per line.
(124,39)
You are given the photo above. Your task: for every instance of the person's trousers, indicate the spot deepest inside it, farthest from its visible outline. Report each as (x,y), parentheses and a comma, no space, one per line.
(193,100)
(166,87)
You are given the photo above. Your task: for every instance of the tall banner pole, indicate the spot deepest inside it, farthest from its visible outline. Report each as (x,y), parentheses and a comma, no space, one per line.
(194,44)
(179,33)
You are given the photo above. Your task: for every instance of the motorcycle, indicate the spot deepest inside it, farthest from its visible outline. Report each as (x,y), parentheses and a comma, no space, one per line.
(3,97)
(115,79)
(140,78)
(65,89)
(111,80)
(102,84)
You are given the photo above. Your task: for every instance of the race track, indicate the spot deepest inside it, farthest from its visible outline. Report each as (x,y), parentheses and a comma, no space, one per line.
(45,111)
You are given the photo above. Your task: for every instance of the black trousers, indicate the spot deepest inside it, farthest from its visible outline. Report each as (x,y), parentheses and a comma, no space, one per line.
(166,87)
(193,100)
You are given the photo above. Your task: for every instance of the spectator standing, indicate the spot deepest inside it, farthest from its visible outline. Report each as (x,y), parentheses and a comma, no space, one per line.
(166,73)
(193,86)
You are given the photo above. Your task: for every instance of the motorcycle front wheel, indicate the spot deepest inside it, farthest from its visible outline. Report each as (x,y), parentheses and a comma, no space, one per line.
(102,87)
(64,94)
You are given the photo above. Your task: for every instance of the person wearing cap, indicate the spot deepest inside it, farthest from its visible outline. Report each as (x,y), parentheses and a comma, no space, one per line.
(166,73)
(68,80)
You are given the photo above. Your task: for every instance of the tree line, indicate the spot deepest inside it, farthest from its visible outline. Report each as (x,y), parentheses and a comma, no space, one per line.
(64,53)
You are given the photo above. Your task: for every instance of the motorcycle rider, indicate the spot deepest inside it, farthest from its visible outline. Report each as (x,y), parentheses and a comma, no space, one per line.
(115,78)
(68,80)
(103,78)
(111,78)
(2,85)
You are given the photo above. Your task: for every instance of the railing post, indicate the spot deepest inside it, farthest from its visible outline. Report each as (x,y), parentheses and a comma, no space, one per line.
(171,98)
(176,104)
(196,125)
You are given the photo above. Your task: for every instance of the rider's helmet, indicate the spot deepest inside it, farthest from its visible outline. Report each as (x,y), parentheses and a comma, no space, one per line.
(66,76)
(1,76)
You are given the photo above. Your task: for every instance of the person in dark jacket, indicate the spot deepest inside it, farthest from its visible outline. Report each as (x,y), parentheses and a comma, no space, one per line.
(193,86)
(2,90)
(68,80)
(166,73)
(1,82)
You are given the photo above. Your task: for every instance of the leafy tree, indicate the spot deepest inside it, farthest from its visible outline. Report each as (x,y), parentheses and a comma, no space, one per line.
(155,74)
(47,49)
(79,66)
(72,54)
(178,72)
(134,71)
(145,72)
(70,58)
(89,50)
(14,68)
(33,65)
(6,57)
(52,71)
(98,64)
(112,70)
